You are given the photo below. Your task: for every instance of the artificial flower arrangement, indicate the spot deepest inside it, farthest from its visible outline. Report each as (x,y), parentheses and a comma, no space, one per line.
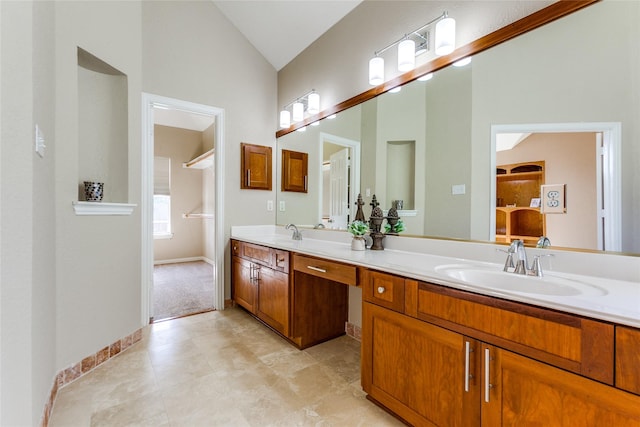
(358,228)
(399,227)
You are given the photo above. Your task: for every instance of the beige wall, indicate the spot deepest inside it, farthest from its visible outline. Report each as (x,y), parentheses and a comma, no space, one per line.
(192,53)
(590,90)
(573,163)
(27,215)
(336,65)
(70,285)
(181,145)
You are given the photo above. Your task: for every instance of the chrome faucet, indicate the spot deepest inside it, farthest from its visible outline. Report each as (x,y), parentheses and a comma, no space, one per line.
(543,242)
(522,266)
(296,233)
(319,225)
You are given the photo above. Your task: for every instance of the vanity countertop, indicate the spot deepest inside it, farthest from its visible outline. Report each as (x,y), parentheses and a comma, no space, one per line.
(616,301)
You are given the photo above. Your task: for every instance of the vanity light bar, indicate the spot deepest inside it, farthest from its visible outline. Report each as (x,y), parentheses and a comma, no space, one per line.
(310,99)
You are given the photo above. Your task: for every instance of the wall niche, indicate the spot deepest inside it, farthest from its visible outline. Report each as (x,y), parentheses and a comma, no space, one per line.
(103,135)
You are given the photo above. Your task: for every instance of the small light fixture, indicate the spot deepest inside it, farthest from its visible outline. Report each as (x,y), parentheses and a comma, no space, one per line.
(285,119)
(316,123)
(462,62)
(445,41)
(298,112)
(445,36)
(376,71)
(302,129)
(425,77)
(395,89)
(331,117)
(406,55)
(313,103)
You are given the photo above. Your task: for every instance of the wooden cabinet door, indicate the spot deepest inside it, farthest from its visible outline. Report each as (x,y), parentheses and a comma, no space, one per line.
(273,299)
(256,167)
(418,370)
(525,392)
(244,290)
(294,171)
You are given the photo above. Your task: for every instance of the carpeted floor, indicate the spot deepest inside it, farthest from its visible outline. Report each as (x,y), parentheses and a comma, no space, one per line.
(182,289)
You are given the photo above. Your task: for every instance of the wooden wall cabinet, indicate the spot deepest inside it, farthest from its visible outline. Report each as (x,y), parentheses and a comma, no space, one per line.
(294,171)
(448,357)
(516,185)
(255,168)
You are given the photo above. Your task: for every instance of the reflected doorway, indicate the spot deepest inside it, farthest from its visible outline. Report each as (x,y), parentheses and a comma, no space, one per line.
(339,181)
(583,158)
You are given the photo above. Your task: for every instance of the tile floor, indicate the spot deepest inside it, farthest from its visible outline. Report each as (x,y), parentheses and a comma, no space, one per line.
(221,369)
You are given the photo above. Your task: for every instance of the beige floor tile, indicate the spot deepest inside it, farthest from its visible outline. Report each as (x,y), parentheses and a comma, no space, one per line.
(221,369)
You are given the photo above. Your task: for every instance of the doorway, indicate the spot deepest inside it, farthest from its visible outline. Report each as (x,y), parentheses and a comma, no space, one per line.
(173,114)
(603,141)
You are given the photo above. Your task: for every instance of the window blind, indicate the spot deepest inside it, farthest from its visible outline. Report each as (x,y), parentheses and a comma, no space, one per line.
(161,176)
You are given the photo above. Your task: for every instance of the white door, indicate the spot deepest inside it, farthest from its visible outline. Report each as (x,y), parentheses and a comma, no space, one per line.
(339,193)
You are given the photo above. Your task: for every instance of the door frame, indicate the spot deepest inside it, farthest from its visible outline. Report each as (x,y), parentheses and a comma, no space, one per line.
(611,172)
(354,164)
(149,102)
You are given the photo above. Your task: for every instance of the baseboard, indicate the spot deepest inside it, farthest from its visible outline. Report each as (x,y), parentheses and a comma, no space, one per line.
(354,331)
(77,370)
(179,260)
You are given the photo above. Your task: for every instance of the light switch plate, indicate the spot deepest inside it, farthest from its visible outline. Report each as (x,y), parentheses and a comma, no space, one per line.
(458,189)
(269,205)
(282,206)
(39,142)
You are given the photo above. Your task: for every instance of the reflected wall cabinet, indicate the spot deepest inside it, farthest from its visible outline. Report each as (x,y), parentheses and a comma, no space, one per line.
(294,171)
(255,167)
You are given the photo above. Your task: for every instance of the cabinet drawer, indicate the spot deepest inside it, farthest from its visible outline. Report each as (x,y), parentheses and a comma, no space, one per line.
(383,289)
(329,270)
(256,253)
(571,342)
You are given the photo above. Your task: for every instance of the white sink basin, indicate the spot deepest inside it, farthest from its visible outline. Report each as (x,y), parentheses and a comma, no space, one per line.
(496,279)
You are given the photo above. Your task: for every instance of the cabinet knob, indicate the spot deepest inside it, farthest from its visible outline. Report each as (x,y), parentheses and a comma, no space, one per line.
(235,248)
(381,289)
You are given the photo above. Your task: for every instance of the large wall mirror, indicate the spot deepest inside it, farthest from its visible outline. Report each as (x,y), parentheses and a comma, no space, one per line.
(561,92)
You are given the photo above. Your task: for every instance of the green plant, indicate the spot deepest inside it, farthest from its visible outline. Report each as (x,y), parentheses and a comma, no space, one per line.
(358,228)
(398,229)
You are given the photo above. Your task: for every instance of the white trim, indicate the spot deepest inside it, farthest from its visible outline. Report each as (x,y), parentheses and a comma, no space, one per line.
(99,208)
(354,189)
(149,101)
(611,171)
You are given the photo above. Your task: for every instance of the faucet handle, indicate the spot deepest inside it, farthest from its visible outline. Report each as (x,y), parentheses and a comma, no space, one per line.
(536,267)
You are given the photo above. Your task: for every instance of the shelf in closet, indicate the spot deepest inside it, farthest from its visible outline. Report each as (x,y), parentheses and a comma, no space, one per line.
(203,161)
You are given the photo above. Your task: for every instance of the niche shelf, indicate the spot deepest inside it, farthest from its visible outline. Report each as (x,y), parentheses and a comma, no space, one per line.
(100,208)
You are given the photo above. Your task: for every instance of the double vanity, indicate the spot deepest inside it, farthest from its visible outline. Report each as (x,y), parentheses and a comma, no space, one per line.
(448,337)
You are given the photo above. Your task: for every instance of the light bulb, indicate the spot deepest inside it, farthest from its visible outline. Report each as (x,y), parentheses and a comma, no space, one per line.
(298,112)
(445,36)
(376,71)
(285,119)
(406,55)
(313,106)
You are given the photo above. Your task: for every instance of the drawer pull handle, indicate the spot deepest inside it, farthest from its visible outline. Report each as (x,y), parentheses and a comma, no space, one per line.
(321,270)
(467,354)
(487,384)
(381,289)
